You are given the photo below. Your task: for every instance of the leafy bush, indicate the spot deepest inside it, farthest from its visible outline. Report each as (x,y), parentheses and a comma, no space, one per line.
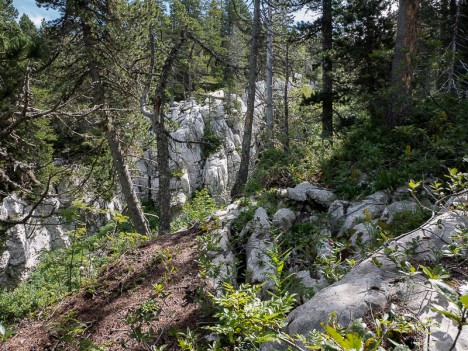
(201,206)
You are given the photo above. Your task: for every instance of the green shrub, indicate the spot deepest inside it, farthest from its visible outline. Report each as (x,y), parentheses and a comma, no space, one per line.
(201,206)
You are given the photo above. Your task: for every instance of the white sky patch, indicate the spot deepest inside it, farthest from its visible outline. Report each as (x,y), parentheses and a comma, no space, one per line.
(304,15)
(36,20)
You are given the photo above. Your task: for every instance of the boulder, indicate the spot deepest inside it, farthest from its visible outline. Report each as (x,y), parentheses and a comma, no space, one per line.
(369,286)
(309,282)
(398,207)
(308,192)
(364,233)
(284,218)
(353,213)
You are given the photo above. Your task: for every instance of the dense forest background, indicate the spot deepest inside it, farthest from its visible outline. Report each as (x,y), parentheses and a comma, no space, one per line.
(365,96)
(385,82)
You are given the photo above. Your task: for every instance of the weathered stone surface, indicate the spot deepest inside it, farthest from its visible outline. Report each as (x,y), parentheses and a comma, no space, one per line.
(338,210)
(44,231)
(224,260)
(258,261)
(352,213)
(364,233)
(309,282)
(367,286)
(459,201)
(308,192)
(284,218)
(196,164)
(398,207)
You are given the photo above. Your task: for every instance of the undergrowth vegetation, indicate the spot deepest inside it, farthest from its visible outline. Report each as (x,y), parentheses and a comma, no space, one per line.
(63,271)
(369,158)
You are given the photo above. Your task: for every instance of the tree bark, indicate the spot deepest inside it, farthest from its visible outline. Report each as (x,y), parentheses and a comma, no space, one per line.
(402,67)
(135,211)
(269,78)
(451,85)
(286,101)
(327,45)
(248,123)
(157,119)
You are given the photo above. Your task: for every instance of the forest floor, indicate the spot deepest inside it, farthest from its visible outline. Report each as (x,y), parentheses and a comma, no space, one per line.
(96,314)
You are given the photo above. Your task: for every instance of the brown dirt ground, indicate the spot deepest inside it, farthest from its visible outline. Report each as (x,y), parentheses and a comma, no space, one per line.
(122,286)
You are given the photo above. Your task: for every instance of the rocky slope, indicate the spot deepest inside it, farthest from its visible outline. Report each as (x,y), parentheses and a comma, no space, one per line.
(378,283)
(205,148)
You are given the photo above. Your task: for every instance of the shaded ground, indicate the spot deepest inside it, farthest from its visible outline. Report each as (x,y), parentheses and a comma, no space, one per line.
(96,314)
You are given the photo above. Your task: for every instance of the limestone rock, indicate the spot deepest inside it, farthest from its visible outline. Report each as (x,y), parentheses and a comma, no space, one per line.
(195,165)
(309,282)
(367,286)
(364,233)
(308,192)
(284,218)
(258,261)
(370,208)
(398,207)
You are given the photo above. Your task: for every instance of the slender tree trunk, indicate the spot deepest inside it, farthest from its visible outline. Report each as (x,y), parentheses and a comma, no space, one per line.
(286,100)
(451,80)
(162,140)
(269,78)
(249,115)
(327,45)
(402,67)
(135,211)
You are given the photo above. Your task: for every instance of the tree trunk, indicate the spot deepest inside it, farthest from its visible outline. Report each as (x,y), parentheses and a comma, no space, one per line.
(286,101)
(402,68)
(269,78)
(247,138)
(327,45)
(451,85)
(162,140)
(135,211)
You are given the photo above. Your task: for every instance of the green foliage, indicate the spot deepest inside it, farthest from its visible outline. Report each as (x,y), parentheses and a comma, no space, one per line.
(70,333)
(137,318)
(245,216)
(140,319)
(65,270)
(245,320)
(303,238)
(271,171)
(201,206)
(211,142)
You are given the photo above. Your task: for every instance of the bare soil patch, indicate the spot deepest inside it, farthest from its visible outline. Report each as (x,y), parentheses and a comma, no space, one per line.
(96,313)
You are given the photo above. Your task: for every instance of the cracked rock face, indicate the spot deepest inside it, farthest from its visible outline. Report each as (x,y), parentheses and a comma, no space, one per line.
(24,243)
(194,164)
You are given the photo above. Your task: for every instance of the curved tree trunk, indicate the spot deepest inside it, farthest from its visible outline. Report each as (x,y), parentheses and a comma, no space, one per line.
(135,211)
